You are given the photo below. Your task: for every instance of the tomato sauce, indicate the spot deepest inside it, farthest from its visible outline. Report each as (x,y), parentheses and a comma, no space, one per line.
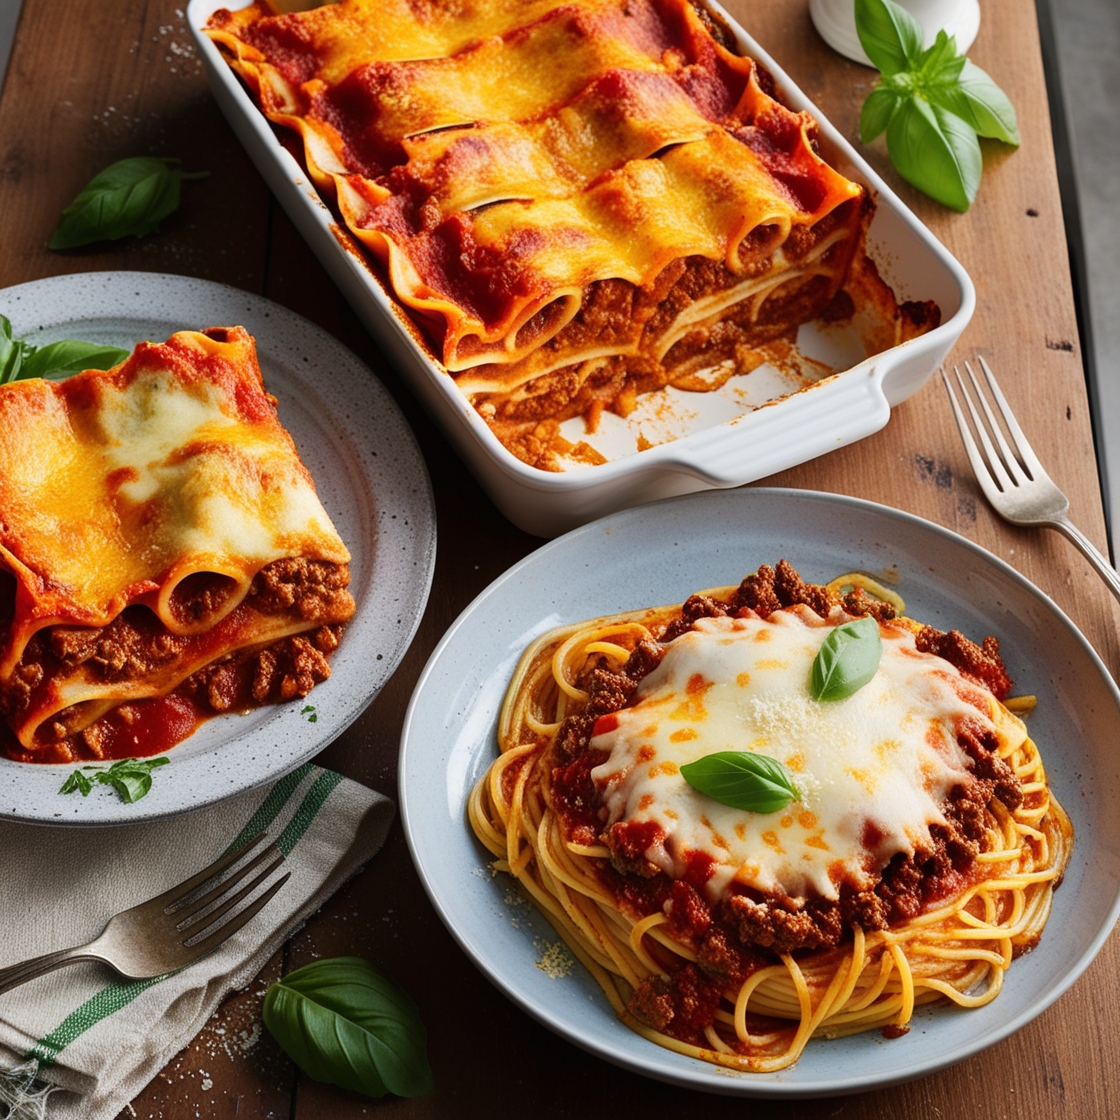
(138,729)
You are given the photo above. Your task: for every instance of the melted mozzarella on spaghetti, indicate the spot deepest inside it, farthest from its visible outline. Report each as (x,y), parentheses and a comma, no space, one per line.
(872,770)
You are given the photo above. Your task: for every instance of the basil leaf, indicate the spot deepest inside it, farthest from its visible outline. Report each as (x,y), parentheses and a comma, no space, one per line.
(20,360)
(940,62)
(131,196)
(77,781)
(342,1021)
(890,36)
(755,783)
(130,785)
(935,151)
(980,103)
(877,111)
(12,351)
(60,359)
(130,777)
(847,660)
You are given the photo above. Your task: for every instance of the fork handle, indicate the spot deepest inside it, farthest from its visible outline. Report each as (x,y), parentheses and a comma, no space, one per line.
(1091,553)
(16,974)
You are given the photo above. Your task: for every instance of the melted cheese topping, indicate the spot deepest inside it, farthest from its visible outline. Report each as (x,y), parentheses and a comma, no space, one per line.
(496,186)
(872,769)
(115,487)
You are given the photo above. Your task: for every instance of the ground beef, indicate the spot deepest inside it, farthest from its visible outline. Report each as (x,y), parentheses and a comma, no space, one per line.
(817,925)
(687,1002)
(628,842)
(282,671)
(130,646)
(200,595)
(315,590)
(608,692)
(980,662)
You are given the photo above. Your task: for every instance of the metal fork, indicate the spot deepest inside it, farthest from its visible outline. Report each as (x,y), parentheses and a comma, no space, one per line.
(1012,478)
(173,929)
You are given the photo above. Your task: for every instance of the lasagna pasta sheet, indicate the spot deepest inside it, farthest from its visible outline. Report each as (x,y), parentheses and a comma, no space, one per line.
(145,499)
(576,202)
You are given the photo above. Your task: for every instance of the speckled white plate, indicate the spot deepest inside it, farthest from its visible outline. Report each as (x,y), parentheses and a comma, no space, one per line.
(659,554)
(369,474)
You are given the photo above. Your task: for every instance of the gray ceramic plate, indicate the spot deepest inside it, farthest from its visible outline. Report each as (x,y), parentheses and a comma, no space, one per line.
(369,474)
(659,554)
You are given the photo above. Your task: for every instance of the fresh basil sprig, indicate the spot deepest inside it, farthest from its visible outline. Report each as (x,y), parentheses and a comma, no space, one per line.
(932,103)
(131,196)
(755,783)
(130,777)
(847,660)
(342,1021)
(20,359)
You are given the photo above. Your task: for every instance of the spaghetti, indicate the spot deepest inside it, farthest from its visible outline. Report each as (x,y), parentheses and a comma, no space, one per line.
(735,937)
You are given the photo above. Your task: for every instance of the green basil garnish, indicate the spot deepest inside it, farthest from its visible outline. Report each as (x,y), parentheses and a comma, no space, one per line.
(755,783)
(58,360)
(342,1021)
(12,352)
(890,36)
(932,104)
(847,660)
(131,196)
(20,359)
(130,777)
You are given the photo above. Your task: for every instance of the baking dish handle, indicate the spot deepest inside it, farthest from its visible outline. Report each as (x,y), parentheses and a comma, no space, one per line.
(814,423)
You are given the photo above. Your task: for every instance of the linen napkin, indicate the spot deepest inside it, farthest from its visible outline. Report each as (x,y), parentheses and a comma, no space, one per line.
(100,1039)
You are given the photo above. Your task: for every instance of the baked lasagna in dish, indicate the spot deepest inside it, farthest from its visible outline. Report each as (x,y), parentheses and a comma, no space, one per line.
(745,861)
(575,204)
(163,554)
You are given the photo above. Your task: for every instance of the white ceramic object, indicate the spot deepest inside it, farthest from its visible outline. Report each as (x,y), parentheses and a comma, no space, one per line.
(835,20)
(759,426)
(659,554)
(369,474)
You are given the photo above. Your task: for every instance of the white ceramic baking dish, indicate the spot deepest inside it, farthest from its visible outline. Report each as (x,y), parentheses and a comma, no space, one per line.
(760,423)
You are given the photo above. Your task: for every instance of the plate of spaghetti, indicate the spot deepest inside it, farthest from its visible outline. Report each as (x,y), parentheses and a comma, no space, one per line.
(770,811)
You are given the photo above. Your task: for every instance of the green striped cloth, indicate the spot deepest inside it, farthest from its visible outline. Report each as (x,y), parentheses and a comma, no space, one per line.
(100,1039)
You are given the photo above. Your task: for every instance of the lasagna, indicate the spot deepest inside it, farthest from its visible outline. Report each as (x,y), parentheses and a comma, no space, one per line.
(163,553)
(913,855)
(574,203)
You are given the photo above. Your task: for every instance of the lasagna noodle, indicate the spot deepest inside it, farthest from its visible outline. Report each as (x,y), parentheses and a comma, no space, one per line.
(956,949)
(500,191)
(147,498)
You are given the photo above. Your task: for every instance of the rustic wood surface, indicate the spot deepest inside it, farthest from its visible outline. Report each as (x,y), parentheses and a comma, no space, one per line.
(98,80)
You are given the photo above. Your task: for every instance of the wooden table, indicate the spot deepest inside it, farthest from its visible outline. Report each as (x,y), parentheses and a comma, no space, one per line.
(99,80)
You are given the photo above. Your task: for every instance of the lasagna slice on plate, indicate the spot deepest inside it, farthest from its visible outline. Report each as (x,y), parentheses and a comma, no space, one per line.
(163,554)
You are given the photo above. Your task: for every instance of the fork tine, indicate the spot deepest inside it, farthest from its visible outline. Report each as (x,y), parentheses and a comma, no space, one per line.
(1008,456)
(192,924)
(1000,467)
(986,465)
(182,890)
(187,911)
(1022,445)
(224,932)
